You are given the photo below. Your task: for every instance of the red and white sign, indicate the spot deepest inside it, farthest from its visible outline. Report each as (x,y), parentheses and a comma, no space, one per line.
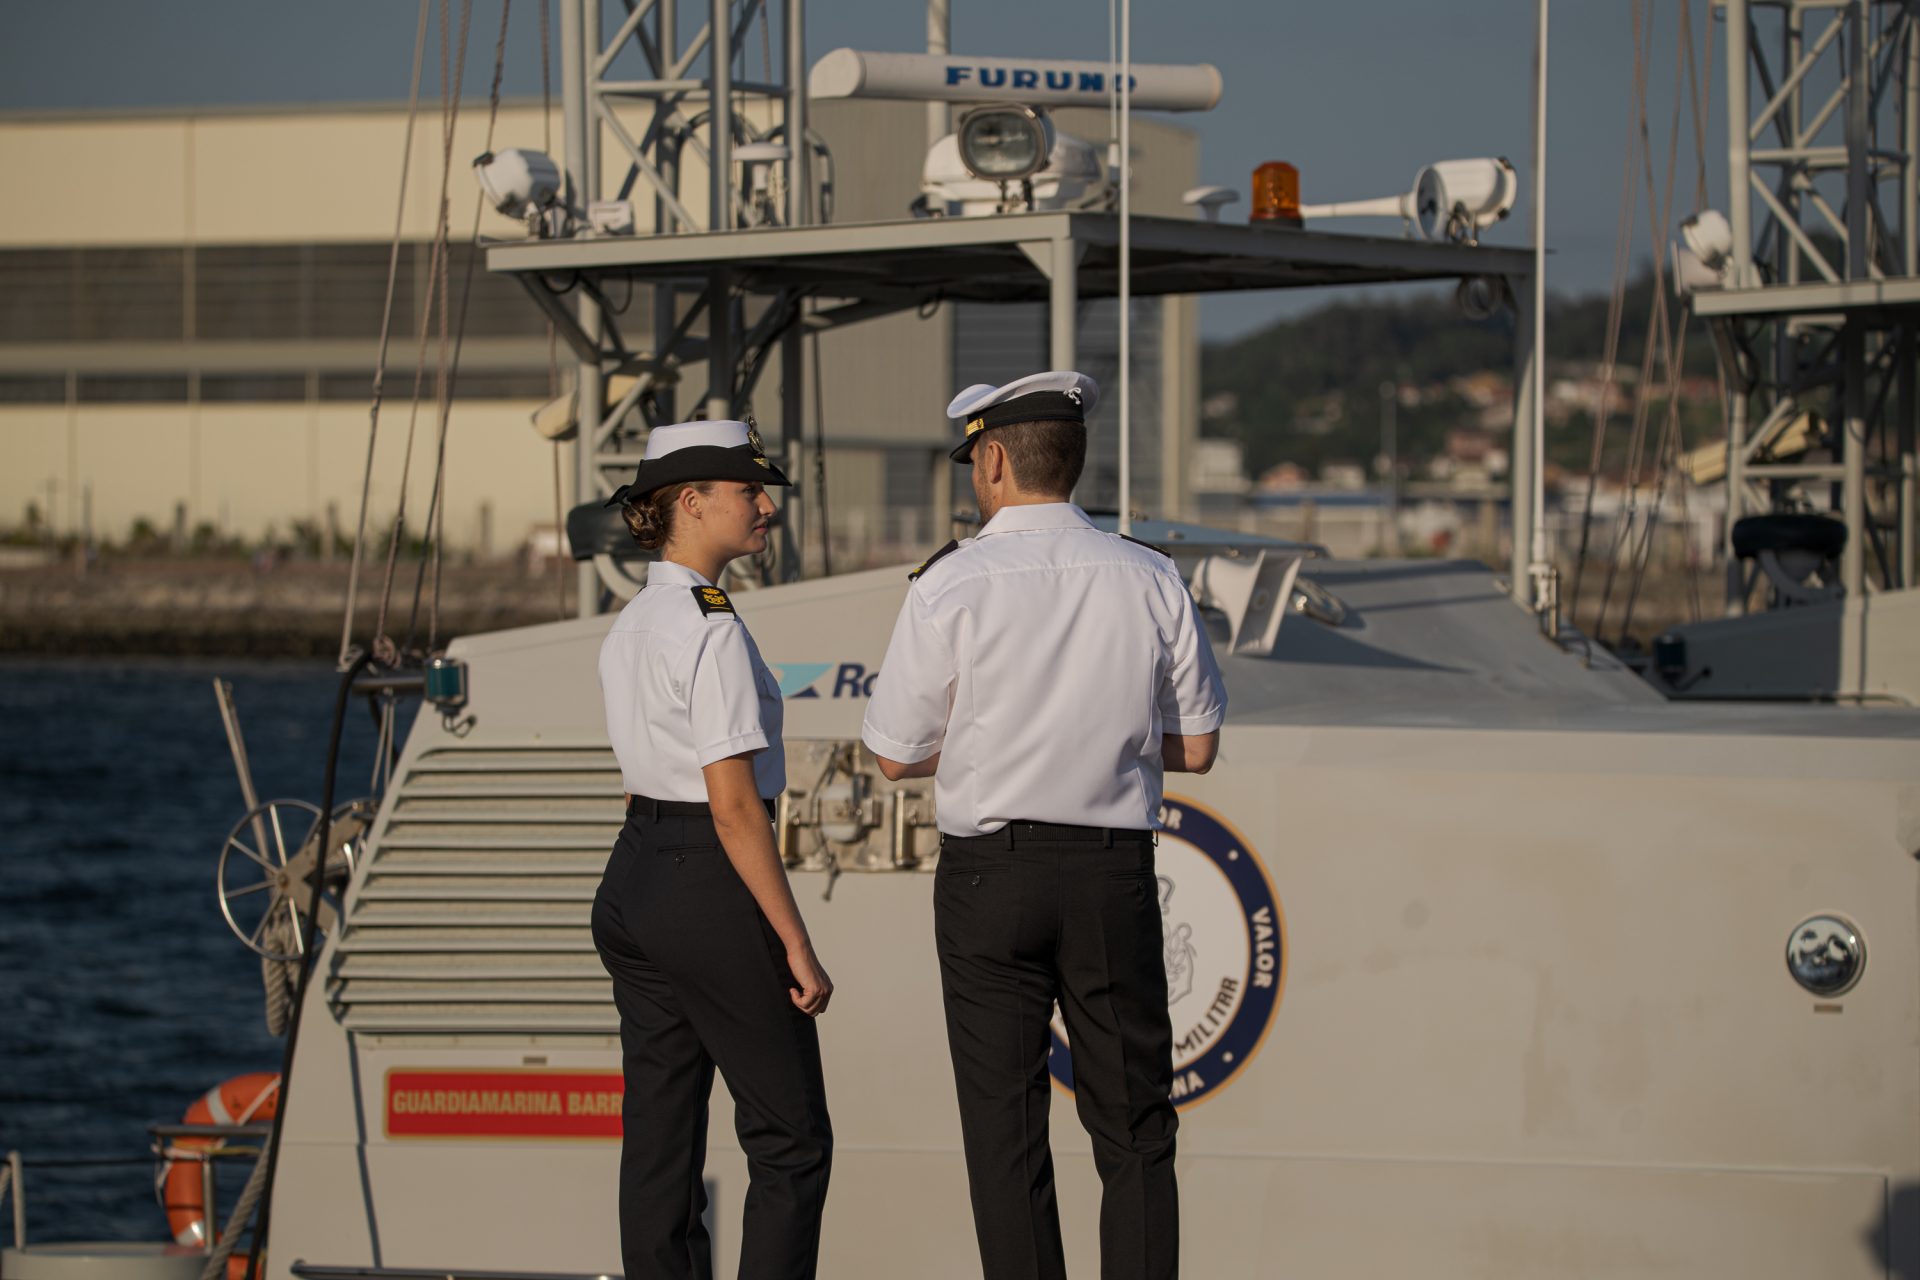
(531,1102)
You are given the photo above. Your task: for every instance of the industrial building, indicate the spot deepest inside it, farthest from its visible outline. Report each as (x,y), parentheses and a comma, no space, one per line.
(190,312)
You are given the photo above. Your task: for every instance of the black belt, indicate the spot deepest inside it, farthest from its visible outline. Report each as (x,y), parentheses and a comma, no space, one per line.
(1015,834)
(652,808)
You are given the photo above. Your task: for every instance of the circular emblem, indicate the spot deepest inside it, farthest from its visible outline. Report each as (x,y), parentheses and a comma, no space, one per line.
(1826,955)
(1225,947)
(753,438)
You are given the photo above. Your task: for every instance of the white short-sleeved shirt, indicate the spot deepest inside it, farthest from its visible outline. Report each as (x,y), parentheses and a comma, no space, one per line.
(684,688)
(1043,660)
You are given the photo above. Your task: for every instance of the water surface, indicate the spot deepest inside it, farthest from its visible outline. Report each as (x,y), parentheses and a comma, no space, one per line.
(123,995)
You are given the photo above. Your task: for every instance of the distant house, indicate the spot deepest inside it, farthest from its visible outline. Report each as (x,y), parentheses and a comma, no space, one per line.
(1472,459)
(1483,389)
(1282,477)
(1344,475)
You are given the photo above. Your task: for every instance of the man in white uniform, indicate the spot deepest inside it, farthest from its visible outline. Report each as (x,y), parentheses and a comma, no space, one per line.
(1045,674)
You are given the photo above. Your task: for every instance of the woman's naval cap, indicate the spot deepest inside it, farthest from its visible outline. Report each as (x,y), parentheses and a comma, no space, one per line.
(717,450)
(1058,396)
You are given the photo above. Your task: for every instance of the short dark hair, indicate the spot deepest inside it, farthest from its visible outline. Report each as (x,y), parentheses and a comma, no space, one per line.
(1047,457)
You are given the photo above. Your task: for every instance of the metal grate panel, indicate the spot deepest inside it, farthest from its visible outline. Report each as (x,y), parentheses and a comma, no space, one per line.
(471,911)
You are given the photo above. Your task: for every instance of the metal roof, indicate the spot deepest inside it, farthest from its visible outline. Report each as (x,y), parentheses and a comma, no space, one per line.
(998,259)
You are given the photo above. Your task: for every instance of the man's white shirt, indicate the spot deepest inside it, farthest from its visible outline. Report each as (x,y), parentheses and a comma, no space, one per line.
(1044,659)
(684,688)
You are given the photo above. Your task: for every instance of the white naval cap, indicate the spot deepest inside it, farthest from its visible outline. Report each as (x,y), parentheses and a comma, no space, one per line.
(1059,395)
(717,450)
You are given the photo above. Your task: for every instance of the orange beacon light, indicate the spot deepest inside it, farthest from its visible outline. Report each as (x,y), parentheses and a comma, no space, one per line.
(1276,194)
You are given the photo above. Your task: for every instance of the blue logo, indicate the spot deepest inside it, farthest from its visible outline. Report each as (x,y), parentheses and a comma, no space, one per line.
(1054,79)
(1226,952)
(804,679)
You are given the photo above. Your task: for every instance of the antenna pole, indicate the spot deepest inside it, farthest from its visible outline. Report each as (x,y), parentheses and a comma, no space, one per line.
(939,40)
(1126,266)
(1538,568)
(579,43)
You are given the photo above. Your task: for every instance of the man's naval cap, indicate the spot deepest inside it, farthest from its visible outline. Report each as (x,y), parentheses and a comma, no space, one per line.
(718,450)
(1058,396)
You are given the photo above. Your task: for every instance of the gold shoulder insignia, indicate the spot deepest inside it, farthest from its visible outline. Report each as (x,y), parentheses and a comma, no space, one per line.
(712,600)
(929,562)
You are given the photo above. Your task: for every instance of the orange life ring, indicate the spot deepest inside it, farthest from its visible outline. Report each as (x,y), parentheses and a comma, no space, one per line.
(241,1100)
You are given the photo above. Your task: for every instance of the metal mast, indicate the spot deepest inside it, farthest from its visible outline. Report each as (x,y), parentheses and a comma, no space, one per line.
(1822,292)
(668,106)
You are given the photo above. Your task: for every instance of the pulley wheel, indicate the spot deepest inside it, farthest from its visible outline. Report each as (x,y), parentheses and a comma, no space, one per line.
(265,877)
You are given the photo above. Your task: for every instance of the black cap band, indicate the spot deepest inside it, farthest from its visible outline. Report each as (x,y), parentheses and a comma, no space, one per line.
(699,462)
(1036,406)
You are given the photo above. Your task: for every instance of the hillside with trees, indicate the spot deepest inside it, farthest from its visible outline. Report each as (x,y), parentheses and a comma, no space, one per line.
(1307,390)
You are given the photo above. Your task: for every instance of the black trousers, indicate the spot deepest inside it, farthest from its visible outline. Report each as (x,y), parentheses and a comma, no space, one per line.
(1023,920)
(701,980)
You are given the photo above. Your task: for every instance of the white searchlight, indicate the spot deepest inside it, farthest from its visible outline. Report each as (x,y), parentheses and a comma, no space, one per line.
(1006,156)
(1004,159)
(1004,143)
(1705,248)
(520,183)
(1451,200)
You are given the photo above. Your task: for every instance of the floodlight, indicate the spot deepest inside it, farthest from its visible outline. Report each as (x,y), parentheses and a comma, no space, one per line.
(1451,200)
(1072,178)
(1004,143)
(1456,199)
(518,182)
(1700,256)
(1709,236)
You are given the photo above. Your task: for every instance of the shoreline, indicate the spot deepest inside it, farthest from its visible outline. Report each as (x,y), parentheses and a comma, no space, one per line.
(238,609)
(291,610)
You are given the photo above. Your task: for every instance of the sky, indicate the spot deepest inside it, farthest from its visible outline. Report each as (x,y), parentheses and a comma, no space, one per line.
(1358,94)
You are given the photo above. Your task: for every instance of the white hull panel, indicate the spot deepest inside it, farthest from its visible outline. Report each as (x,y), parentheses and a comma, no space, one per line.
(1534,1017)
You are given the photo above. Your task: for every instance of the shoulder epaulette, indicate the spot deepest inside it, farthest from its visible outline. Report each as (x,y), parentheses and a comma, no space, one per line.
(712,600)
(1148,545)
(933,559)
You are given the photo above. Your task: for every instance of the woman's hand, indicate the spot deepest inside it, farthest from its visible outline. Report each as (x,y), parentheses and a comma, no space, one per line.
(740,820)
(816,988)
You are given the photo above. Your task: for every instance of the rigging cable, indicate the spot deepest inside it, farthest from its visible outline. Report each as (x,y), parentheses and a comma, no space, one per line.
(1628,510)
(1672,439)
(386,330)
(443,368)
(1616,311)
(1659,337)
(450,83)
(450,362)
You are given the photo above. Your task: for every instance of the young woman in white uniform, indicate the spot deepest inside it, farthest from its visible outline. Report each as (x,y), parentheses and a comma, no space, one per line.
(694,919)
